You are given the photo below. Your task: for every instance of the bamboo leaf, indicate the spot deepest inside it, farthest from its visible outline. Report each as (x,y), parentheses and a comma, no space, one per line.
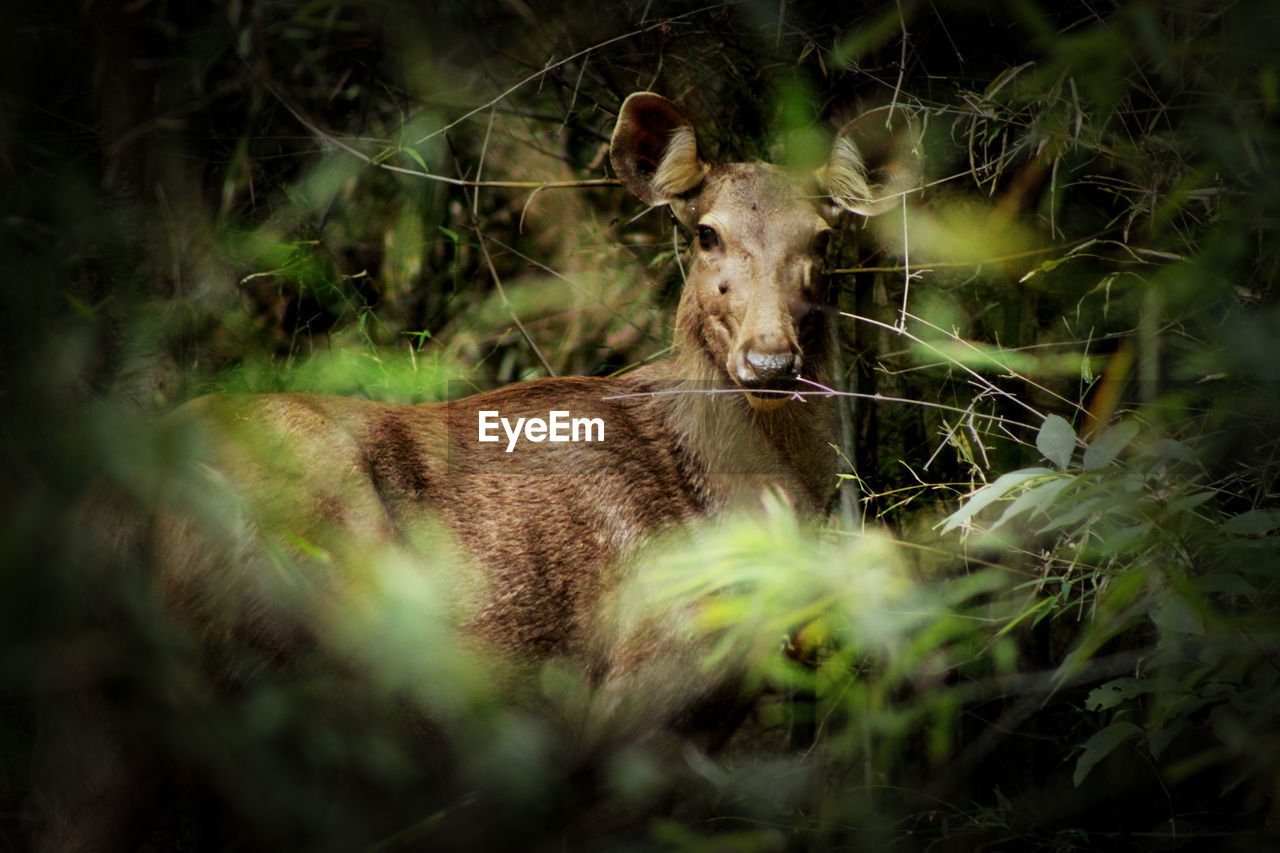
(1003,79)
(1188,502)
(1168,448)
(1106,447)
(1056,440)
(417,158)
(1039,607)
(989,493)
(1116,691)
(1037,498)
(1255,522)
(1100,746)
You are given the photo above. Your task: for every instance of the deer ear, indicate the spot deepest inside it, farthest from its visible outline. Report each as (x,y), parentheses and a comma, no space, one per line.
(655,150)
(874,161)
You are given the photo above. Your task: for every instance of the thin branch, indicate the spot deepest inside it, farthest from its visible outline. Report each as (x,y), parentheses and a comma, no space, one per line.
(502,294)
(982,380)
(902,60)
(1011,371)
(665,22)
(484,151)
(823,392)
(443,179)
(906,264)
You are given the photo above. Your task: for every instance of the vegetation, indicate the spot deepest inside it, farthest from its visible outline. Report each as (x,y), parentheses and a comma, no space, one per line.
(1046,614)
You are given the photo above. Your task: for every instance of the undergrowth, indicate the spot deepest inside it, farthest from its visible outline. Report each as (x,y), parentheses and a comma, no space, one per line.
(1045,617)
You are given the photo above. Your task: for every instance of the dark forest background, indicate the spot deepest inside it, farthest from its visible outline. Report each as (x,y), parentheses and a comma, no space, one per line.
(1045,615)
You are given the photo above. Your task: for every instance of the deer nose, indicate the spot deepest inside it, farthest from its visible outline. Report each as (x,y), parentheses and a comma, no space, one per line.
(767,369)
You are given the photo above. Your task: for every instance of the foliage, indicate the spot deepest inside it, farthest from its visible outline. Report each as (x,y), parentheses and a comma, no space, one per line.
(1144,548)
(1046,616)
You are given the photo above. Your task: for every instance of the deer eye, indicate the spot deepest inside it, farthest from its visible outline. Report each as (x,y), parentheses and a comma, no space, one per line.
(708,239)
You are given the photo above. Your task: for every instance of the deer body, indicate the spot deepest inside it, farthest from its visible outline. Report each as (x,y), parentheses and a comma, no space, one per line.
(331,483)
(543,523)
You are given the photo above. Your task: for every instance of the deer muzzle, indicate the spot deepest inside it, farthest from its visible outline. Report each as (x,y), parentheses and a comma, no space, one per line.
(768,377)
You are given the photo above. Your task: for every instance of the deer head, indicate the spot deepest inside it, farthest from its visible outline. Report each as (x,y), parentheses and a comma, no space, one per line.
(754,302)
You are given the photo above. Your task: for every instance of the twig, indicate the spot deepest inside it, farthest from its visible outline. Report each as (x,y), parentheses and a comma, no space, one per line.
(982,380)
(484,150)
(553,66)
(902,60)
(1011,371)
(502,294)
(906,268)
(443,179)
(825,391)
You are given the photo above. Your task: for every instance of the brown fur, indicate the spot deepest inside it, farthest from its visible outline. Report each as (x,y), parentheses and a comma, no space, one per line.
(321,485)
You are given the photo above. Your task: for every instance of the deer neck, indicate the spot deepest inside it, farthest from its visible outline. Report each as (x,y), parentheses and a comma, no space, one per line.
(736,451)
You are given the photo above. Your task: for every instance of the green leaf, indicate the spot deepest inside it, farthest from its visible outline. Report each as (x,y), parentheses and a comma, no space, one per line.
(1116,691)
(1045,266)
(1167,448)
(1225,583)
(1161,736)
(1040,607)
(1187,502)
(417,158)
(1077,512)
(1106,447)
(1174,615)
(1056,440)
(1255,522)
(1003,79)
(1100,746)
(1121,539)
(1256,557)
(990,493)
(1038,498)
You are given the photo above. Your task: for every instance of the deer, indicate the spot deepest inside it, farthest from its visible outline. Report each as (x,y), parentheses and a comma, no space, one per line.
(542,488)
